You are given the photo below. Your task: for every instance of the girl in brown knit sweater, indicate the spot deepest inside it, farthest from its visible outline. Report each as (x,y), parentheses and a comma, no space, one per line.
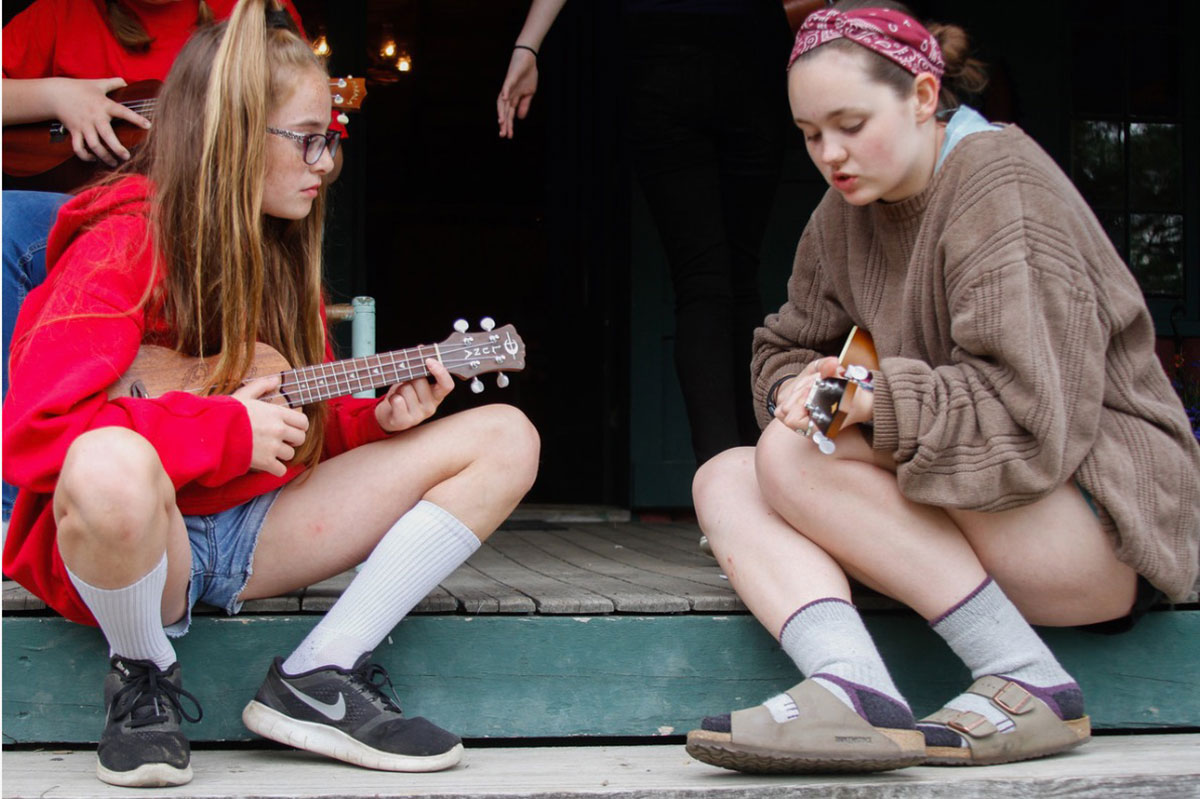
(1016,456)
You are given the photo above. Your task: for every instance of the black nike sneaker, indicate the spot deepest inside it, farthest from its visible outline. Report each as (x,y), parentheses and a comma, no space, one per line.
(346,715)
(142,745)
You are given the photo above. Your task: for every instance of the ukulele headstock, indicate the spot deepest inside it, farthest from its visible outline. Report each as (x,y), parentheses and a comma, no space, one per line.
(348,93)
(467,354)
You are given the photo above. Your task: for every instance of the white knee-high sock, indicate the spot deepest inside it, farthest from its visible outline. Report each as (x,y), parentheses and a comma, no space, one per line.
(417,553)
(131,617)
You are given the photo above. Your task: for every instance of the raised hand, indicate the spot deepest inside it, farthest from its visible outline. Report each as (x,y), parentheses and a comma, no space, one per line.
(277,430)
(408,404)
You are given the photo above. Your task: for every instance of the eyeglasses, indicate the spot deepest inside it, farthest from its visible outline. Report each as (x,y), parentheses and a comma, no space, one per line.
(314,143)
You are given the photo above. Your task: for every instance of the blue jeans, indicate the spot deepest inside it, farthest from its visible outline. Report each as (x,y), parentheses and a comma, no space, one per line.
(28,217)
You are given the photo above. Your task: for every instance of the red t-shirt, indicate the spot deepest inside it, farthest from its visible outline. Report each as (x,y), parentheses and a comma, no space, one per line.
(71,39)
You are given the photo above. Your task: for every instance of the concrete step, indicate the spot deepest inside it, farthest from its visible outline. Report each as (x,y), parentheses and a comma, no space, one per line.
(1159,766)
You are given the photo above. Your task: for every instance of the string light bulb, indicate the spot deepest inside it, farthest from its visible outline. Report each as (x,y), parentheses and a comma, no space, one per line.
(389,49)
(404,62)
(321,48)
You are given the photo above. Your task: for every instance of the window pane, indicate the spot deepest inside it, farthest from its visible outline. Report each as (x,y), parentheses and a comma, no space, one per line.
(1098,161)
(1156,167)
(1156,244)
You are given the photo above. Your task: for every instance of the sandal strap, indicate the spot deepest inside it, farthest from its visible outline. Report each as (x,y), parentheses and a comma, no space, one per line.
(1037,729)
(816,724)
(966,722)
(1012,698)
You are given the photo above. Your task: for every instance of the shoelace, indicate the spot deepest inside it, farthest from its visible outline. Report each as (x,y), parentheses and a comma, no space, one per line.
(143,691)
(374,678)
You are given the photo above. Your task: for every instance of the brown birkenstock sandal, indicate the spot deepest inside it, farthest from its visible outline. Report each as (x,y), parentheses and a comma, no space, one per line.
(1037,730)
(806,730)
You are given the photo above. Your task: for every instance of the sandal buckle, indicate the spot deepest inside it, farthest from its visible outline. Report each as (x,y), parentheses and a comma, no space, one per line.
(1013,698)
(966,722)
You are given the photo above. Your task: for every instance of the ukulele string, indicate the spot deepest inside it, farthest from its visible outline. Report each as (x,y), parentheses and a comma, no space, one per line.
(320,377)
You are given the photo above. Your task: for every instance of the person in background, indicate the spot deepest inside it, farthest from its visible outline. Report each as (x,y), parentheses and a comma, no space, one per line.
(707,127)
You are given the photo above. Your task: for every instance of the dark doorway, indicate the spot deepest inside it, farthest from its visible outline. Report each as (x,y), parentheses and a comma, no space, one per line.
(439,219)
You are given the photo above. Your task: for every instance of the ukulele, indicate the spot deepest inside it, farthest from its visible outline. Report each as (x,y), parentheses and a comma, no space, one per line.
(157,370)
(38,156)
(830,396)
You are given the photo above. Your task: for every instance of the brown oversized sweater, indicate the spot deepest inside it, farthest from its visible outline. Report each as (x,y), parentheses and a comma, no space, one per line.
(1016,351)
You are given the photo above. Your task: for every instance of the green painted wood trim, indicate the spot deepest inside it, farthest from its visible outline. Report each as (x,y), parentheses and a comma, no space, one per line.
(522,676)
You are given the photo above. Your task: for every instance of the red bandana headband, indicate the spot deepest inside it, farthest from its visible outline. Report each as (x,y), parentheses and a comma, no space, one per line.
(892,34)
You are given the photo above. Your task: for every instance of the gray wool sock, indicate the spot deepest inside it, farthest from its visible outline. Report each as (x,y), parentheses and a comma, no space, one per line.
(829,643)
(990,635)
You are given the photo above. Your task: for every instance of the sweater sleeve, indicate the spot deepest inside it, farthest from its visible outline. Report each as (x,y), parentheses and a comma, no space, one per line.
(809,325)
(1015,411)
(80,333)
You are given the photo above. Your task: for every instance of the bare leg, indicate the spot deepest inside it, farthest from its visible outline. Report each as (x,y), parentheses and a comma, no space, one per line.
(773,568)
(476,464)
(115,511)
(1051,557)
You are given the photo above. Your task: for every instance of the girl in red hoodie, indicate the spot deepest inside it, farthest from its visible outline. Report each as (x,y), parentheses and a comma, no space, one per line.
(132,509)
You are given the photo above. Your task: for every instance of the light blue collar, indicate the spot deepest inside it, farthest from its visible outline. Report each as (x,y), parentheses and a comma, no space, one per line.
(966,120)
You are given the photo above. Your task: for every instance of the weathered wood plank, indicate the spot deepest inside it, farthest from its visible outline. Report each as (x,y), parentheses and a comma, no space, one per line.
(1112,767)
(620,583)
(551,595)
(320,597)
(478,593)
(549,676)
(701,584)
(685,537)
(17,598)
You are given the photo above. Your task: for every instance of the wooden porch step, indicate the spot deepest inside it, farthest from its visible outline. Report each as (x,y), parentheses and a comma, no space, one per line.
(570,629)
(1113,767)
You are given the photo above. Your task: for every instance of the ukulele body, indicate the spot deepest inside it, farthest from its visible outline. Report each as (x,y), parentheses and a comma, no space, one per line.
(157,370)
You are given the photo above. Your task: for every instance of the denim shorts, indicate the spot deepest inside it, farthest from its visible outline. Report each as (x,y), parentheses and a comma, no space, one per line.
(222,556)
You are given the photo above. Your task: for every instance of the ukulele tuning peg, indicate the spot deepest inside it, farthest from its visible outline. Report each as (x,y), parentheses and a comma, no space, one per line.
(487,323)
(502,380)
(476,386)
(343,119)
(461,325)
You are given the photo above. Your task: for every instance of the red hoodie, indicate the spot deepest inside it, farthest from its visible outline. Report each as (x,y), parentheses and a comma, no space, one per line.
(87,321)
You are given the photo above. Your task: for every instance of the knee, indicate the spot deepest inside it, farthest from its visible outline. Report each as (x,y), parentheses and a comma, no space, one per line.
(785,466)
(718,489)
(508,435)
(714,477)
(111,487)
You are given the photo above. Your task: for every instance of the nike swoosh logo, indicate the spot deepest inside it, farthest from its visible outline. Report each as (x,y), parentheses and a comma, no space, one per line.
(334,711)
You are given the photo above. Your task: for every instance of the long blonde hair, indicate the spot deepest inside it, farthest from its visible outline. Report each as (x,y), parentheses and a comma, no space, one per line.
(233,275)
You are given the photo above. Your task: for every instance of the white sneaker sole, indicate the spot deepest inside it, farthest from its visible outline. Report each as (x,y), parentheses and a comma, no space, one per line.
(149,775)
(325,740)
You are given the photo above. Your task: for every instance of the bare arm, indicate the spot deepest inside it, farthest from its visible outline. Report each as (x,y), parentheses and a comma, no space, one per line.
(81,105)
(520,84)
